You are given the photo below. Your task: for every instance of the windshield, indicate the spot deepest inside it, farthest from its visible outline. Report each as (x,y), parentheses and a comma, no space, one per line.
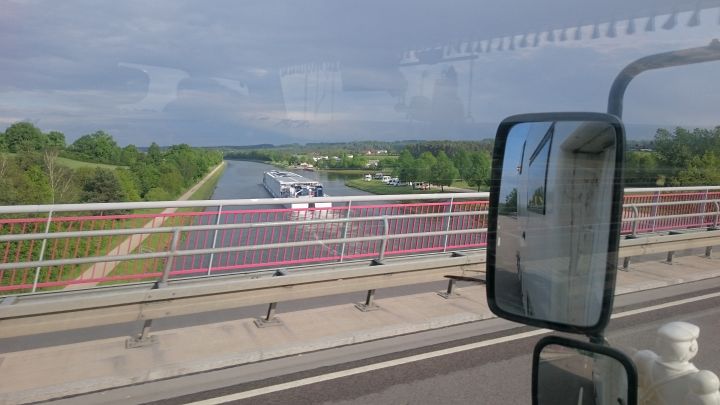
(139,101)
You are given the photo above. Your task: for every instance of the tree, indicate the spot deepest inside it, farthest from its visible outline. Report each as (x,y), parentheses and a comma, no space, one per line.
(700,171)
(97,147)
(479,174)
(60,178)
(641,169)
(102,186)
(425,164)
(406,168)
(24,136)
(130,155)
(55,140)
(463,163)
(129,184)
(443,171)
(154,153)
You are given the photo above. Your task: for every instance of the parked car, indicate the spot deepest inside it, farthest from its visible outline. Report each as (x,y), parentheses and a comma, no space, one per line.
(368,177)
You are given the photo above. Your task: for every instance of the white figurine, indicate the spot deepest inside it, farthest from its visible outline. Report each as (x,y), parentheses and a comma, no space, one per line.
(668,377)
(704,389)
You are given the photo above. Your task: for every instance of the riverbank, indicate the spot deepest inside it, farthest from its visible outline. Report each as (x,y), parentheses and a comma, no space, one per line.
(380,188)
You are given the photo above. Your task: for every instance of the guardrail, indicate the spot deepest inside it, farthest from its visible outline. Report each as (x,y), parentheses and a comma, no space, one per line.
(51,312)
(45,248)
(63,251)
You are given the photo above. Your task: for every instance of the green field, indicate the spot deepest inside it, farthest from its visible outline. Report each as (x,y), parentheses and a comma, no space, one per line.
(72,163)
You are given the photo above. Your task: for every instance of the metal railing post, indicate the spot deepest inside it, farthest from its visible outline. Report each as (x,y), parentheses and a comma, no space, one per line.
(447,227)
(383,244)
(450,292)
(270,318)
(214,242)
(653,212)
(717,214)
(42,252)
(636,219)
(369,304)
(345,231)
(171,259)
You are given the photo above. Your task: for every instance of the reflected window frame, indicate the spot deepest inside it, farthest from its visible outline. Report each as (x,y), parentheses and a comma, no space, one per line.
(608,293)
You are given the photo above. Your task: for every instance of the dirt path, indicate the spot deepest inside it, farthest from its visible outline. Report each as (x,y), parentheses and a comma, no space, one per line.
(102,269)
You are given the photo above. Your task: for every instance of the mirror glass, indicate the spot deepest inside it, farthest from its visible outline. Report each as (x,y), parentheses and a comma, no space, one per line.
(572,376)
(554,221)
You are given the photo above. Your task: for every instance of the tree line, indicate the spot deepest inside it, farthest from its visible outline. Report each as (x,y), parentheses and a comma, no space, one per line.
(676,158)
(32,169)
(440,169)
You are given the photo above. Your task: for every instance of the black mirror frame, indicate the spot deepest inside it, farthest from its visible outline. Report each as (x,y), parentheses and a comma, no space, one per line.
(630,368)
(615,218)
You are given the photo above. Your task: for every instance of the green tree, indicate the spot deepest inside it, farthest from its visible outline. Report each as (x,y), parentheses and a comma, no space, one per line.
(463,163)
(97,147)
(425,164)
(130,155)
(406,170)
(154,154)
(443,171)
(24,136)
(479,174)
(55,140)
(129,184)
(641,169)
(700,171)
(102,186)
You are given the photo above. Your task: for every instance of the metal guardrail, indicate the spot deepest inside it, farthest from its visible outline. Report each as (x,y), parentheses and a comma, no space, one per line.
(51,312)
(137,247)
(48,247)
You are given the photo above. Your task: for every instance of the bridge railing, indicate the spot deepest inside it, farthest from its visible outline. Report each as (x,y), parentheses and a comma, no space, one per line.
(85,245)
(66,246)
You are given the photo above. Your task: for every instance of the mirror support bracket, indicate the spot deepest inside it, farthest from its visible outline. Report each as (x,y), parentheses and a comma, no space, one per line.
(682,57)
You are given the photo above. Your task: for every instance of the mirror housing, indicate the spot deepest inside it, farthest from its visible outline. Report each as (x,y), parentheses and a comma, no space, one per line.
(571,372)
(554,220)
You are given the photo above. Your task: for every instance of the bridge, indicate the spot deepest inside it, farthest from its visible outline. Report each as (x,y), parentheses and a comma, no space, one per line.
(78,266)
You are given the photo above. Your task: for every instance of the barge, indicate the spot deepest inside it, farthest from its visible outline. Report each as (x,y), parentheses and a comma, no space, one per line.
(282,184)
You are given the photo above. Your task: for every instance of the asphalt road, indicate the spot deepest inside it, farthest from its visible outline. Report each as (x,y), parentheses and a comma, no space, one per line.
(481,374)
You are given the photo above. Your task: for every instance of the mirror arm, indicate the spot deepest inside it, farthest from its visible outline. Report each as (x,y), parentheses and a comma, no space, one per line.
(658,61)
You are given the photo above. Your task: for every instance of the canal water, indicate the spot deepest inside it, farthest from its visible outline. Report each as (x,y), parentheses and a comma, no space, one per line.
(243,179)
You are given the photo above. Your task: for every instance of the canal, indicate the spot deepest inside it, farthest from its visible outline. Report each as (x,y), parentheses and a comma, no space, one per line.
(243,179)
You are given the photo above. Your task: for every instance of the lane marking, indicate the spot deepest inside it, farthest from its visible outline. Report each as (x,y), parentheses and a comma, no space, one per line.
(365,369)
(424,356)
(665,305)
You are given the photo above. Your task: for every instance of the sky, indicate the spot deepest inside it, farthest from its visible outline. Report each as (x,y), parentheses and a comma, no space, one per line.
(284,71)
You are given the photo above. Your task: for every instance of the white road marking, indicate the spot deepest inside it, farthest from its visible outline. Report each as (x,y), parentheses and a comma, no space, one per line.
(665,305)
(365,369)
(423,356)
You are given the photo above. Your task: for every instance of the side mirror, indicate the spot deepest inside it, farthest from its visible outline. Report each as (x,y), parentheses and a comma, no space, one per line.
(555,207)
(570,372)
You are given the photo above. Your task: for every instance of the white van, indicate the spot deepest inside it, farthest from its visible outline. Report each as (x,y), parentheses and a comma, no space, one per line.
(386,179)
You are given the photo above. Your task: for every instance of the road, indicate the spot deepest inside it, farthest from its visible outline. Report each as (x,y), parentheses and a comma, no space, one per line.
(485,362)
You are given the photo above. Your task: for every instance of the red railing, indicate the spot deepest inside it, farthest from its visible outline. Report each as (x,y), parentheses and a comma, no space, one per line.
(299,225)
(305,236)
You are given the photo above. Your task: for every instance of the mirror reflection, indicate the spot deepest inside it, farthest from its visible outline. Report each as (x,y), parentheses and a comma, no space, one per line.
(571,376)
(553,225)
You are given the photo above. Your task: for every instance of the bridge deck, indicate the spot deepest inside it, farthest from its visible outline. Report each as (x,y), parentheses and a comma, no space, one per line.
(50,372)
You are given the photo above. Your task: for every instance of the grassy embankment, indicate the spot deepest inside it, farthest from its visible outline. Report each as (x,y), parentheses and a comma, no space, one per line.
(162,241)
(380,188)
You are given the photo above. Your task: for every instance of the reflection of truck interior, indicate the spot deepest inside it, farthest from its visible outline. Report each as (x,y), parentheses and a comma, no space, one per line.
(563,170)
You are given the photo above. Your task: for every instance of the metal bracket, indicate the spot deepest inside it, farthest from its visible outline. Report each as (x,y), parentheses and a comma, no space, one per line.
(369,304)
(270,318)
(450,292)
(142,339)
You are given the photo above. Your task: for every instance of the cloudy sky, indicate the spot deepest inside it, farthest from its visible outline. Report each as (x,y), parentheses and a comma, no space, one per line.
(247,72)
